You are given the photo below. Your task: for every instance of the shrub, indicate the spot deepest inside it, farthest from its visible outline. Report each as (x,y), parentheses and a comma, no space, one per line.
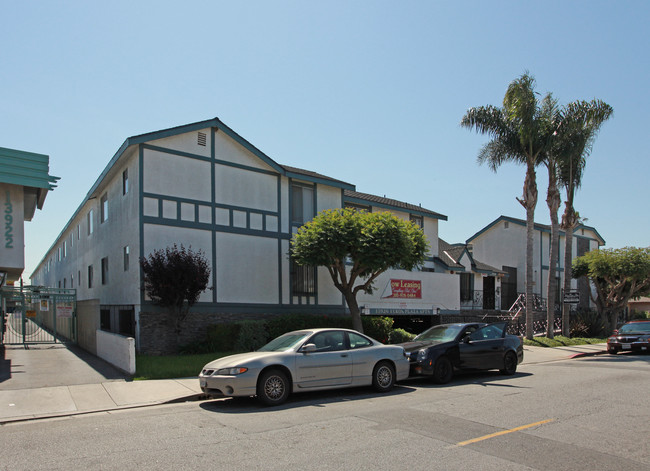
(587,324)
(378,328)
(252,335)
(223,336)
(399,336)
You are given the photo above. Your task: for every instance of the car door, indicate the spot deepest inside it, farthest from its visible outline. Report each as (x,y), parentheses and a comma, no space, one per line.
(364,357)
(329,366)
(484,348)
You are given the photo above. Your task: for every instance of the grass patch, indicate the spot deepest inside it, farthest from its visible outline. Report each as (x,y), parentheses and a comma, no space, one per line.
(173,366)
(560,341)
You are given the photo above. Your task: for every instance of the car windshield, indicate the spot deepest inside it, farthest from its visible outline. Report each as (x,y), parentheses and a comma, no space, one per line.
(442,333)
(284,342)
(635,327)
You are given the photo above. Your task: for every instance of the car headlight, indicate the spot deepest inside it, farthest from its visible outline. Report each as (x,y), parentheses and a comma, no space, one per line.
(611,339)
(232,371)
(422,354)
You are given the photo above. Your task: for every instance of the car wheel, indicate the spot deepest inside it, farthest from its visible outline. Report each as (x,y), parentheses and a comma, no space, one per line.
(273,387)
(612,351)
(442,370)
(383,377)
(509,363)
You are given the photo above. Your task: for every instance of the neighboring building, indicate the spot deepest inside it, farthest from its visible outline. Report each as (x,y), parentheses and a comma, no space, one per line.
(24,183)
(480,283)
(204,186)
(502,244)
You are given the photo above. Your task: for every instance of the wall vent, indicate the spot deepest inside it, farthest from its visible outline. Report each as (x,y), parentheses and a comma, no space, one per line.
(201,139)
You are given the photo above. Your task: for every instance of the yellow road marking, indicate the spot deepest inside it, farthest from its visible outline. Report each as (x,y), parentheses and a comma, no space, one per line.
(503,432)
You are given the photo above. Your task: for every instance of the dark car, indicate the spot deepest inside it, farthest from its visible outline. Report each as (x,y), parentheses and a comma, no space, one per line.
(633,336)
(443,349)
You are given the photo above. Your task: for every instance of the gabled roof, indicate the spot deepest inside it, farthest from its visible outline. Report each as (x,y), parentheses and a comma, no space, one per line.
(538,227)
(388,203)
(450,255)
(300,173)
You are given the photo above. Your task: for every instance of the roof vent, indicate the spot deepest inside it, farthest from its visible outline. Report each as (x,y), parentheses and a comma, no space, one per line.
(201,139)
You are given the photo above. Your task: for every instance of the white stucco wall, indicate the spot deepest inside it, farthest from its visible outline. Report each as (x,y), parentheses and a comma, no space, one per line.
(241,187)
(174,175)
(118,350)
(247,269)
(186,142)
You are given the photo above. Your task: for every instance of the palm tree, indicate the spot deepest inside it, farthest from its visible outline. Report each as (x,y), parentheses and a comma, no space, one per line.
(580,122)
(521,132)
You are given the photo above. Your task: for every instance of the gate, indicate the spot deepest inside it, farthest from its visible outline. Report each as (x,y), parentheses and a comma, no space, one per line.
(35,314)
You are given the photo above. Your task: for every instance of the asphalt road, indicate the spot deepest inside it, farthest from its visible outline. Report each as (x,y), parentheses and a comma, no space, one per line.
(583,414)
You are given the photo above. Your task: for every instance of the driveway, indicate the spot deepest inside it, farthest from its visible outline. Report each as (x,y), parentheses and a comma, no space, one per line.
(46,365)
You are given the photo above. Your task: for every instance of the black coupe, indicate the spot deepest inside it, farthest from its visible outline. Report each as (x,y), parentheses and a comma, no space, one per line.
(442,349)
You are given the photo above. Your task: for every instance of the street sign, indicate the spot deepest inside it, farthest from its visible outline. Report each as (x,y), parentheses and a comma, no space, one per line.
(572,297)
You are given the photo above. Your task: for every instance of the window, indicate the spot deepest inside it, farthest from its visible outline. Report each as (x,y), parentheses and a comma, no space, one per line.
(64,283)
(104,270)
(418,221)
(65,248)
(126,319)
(90,276)
(328,341)
(466,286)
(357,341)
(302,204)
(127,251)
(91,227)
(303,280)
(79,278)
(104,208)
(78,231)
(71,239)
(71,281)
(125,181)
(105,319)
(59,253)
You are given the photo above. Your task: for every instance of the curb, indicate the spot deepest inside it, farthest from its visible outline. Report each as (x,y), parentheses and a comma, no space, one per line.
(588,354)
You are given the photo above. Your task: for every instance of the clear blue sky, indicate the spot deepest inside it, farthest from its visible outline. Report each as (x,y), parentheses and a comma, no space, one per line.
(370,92)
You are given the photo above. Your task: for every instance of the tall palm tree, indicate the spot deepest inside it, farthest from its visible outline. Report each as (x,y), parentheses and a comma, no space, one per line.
(521,132)
(580,123)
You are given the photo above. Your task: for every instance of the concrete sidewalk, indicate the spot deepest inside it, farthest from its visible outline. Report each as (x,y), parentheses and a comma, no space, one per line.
(104,394)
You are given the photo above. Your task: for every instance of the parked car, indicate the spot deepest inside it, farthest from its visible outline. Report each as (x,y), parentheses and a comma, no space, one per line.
(443,349)
(306,360)
(633,336)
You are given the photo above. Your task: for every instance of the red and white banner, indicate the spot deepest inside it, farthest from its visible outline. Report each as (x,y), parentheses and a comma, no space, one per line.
(410,289)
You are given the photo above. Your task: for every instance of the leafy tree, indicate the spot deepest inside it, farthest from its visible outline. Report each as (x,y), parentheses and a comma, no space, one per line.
(521,132)
(175,278)
(617,275)
(356,247)
(580,122)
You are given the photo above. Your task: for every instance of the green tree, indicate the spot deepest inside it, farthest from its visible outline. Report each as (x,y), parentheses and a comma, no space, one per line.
(580,123)
(175,278)
(521,132)
(617,275)
(356,247)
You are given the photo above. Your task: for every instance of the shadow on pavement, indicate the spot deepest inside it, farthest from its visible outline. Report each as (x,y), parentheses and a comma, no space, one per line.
(250,405)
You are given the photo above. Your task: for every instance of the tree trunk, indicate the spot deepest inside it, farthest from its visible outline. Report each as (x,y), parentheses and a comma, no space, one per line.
(355,312)
(568,224)
(529,202)
(553,201)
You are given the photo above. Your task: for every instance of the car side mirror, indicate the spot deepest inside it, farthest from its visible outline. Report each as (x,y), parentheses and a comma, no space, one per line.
(466,339)
(308,348)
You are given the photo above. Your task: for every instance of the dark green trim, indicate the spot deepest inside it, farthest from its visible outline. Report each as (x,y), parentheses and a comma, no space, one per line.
(29,169)
(213,199)
(159,221)
(141,216)
(164,150)
(318,180)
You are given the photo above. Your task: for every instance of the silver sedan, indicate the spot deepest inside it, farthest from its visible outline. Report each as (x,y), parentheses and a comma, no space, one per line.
(306,360)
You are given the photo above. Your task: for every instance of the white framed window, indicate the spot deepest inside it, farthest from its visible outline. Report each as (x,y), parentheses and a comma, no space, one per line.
(302,204)
(125,181)
(127,252)
(91,226)
(104,208)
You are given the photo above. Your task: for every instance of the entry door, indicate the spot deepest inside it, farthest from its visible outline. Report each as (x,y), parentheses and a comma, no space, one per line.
(330,365)
(488,292)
